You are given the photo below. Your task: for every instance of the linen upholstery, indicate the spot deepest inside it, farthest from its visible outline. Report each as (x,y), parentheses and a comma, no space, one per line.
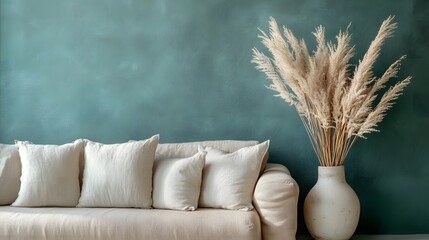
(188,149)
(118,175)
(177,182)
(125,223)
(276,199)
(274,216)
(50,174)
(181,150)
(229,178)
(10,172)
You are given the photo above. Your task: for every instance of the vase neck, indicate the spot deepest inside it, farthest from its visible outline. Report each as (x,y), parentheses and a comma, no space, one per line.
(336,172)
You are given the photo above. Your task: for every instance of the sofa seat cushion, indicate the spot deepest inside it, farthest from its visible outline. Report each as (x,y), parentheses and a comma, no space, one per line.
(125,223)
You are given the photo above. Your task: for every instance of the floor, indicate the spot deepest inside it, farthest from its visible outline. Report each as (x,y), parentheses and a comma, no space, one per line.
(378,237)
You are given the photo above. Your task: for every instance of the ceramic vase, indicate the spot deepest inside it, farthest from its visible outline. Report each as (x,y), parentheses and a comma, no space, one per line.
(331,208)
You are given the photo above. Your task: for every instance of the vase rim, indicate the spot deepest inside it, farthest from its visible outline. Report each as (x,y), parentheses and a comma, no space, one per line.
(331,167)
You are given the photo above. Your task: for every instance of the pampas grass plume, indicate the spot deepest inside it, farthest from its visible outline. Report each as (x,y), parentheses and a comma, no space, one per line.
(336,105)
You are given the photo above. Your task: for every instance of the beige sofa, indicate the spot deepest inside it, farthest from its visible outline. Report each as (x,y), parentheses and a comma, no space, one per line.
(274,217)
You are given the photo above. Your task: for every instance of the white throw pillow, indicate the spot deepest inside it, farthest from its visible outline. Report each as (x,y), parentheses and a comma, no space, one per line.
(10,172)
(49,175)
(177,182)
(118,175)
(188,149)
(229,178)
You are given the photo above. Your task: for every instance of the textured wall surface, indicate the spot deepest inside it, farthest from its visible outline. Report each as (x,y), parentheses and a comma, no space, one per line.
(117,70)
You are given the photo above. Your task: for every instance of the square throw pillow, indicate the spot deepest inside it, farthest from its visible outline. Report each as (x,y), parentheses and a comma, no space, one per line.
(118,175)
(10,172)
(50,175)
(229,178)
(177,182)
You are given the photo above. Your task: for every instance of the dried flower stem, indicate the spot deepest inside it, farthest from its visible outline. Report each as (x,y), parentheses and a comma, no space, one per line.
(335,107)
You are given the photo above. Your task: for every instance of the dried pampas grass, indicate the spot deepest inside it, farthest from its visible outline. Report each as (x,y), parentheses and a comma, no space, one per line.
(335,106)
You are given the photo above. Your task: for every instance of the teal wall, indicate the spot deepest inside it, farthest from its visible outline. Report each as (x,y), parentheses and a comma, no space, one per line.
(113,70)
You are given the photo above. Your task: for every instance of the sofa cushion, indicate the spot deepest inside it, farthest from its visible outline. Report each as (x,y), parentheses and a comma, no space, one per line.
(188,149)
(10,172)
(118,175)
(177,182)
(130,224)
(229,178)
(49,174)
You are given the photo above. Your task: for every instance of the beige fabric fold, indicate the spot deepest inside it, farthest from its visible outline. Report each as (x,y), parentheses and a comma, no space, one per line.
(10,172)
(188,149)
(276,199)
(125,223)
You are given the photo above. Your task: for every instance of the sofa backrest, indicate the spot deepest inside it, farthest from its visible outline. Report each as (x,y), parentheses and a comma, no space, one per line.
(188,149)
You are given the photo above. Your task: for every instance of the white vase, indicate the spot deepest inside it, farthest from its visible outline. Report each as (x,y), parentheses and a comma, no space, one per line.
(331,208)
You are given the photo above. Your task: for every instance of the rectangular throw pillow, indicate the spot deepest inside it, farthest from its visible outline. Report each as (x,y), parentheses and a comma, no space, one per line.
(177,182)
(49,175)
(229,178)
(118,175)
(10,172)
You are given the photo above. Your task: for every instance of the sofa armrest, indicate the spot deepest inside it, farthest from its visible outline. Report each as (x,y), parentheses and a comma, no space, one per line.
(276,199)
